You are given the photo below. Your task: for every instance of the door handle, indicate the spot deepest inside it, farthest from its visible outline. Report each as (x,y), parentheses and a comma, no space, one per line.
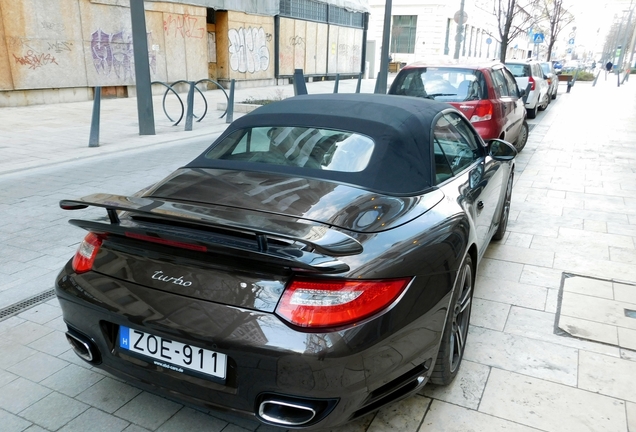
(480,205)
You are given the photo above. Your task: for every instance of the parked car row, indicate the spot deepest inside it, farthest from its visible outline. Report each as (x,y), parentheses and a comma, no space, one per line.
(496,98)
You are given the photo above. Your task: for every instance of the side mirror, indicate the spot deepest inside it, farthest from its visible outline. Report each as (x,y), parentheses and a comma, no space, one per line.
(501,150)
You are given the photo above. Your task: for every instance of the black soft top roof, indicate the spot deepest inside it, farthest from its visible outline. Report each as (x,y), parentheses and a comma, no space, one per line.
(400,127)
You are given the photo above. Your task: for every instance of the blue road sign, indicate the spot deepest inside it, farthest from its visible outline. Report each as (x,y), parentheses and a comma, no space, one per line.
(538,38)
(488,41)
(571,41)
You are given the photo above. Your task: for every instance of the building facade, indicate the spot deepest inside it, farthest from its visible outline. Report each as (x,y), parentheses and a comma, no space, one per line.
(426,30)
(60,50)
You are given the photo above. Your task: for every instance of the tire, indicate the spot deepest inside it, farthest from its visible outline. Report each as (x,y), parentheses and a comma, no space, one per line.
(505,212)
(546,102)
(522,139)
(453,344)
(554,95)
(532,113)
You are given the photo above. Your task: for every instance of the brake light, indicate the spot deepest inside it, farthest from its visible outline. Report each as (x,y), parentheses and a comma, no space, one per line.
(531,81)
(86,253)
(162,241)
(319,303)
(483,111)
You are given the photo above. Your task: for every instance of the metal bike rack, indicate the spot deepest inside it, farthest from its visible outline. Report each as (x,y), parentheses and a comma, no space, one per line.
(227,99)
(170,88)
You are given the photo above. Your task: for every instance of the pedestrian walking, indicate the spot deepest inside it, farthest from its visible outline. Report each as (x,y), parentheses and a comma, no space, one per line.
(608,68)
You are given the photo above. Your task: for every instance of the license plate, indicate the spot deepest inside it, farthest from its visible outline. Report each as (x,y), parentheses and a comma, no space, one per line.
(173,355)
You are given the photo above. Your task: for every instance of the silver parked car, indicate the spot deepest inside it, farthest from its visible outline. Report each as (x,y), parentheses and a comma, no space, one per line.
(553,79)
(529,73)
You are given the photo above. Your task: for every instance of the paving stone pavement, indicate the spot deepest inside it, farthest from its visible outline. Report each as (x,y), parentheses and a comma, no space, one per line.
(573,212)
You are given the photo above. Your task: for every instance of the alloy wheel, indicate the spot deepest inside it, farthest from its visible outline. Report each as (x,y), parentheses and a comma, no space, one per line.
(461,318)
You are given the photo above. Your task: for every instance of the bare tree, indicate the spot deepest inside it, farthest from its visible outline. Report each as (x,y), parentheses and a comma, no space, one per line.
(514,18)
(556,18)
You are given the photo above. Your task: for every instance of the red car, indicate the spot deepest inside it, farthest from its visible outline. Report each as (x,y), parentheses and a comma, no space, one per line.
(487,94)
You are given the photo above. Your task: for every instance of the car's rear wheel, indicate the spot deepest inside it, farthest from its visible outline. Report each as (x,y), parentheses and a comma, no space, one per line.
(554,95)
(522,139)
(545,102)
(505,212)
(453,343)
(532,112)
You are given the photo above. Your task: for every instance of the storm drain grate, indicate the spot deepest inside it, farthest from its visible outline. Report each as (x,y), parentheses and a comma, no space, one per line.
(16,308)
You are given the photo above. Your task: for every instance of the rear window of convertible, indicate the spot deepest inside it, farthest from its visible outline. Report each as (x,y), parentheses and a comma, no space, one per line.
(303,147)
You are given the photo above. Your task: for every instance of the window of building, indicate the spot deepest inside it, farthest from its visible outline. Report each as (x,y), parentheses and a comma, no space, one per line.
(403,34)
(312,10)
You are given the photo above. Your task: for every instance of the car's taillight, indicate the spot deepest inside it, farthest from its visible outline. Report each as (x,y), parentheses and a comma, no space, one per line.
(483,111)
(324,303)
(86,253)
(531,81)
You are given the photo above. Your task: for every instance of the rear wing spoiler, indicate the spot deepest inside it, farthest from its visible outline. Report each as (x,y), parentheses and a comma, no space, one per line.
(323,243)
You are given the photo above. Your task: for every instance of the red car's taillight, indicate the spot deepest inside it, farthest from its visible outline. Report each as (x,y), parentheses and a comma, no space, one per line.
(483,111)
(86,253)
(318,303)
(531,81)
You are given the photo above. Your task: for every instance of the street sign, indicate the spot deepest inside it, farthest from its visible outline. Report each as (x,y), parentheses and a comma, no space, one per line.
(488,41)
(569,51)
(538,38)
(571,41)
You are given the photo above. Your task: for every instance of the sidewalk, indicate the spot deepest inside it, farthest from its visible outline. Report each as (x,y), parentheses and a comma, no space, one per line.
(39,135)
(551,346)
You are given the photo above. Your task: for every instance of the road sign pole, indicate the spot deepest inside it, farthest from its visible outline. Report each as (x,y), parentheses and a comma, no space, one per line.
(460,29)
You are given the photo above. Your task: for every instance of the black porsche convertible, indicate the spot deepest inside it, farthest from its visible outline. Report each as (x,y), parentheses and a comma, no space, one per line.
(314,264)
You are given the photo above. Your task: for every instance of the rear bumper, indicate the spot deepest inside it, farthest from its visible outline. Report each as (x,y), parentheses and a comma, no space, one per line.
(533,100)
(350,372)
(487,130)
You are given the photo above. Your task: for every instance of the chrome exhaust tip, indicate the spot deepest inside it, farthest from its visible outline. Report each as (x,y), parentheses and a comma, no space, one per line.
(82,346)
(286,413)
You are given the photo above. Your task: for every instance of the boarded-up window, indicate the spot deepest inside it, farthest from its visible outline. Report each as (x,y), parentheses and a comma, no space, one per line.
(211,47)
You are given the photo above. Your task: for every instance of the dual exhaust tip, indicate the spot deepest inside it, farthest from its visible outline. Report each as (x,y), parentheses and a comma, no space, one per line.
(285,413)
(83,347)
(291,411)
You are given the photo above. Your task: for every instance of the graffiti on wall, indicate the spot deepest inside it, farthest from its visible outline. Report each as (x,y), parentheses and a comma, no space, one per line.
(60,46)
(53,26)
(296,40)
(184,26)
(28,55)
(248,49)
(113,52)
(35,60)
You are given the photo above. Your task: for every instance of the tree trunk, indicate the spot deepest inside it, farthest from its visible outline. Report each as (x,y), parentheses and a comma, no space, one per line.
(550,45)
(503,49)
